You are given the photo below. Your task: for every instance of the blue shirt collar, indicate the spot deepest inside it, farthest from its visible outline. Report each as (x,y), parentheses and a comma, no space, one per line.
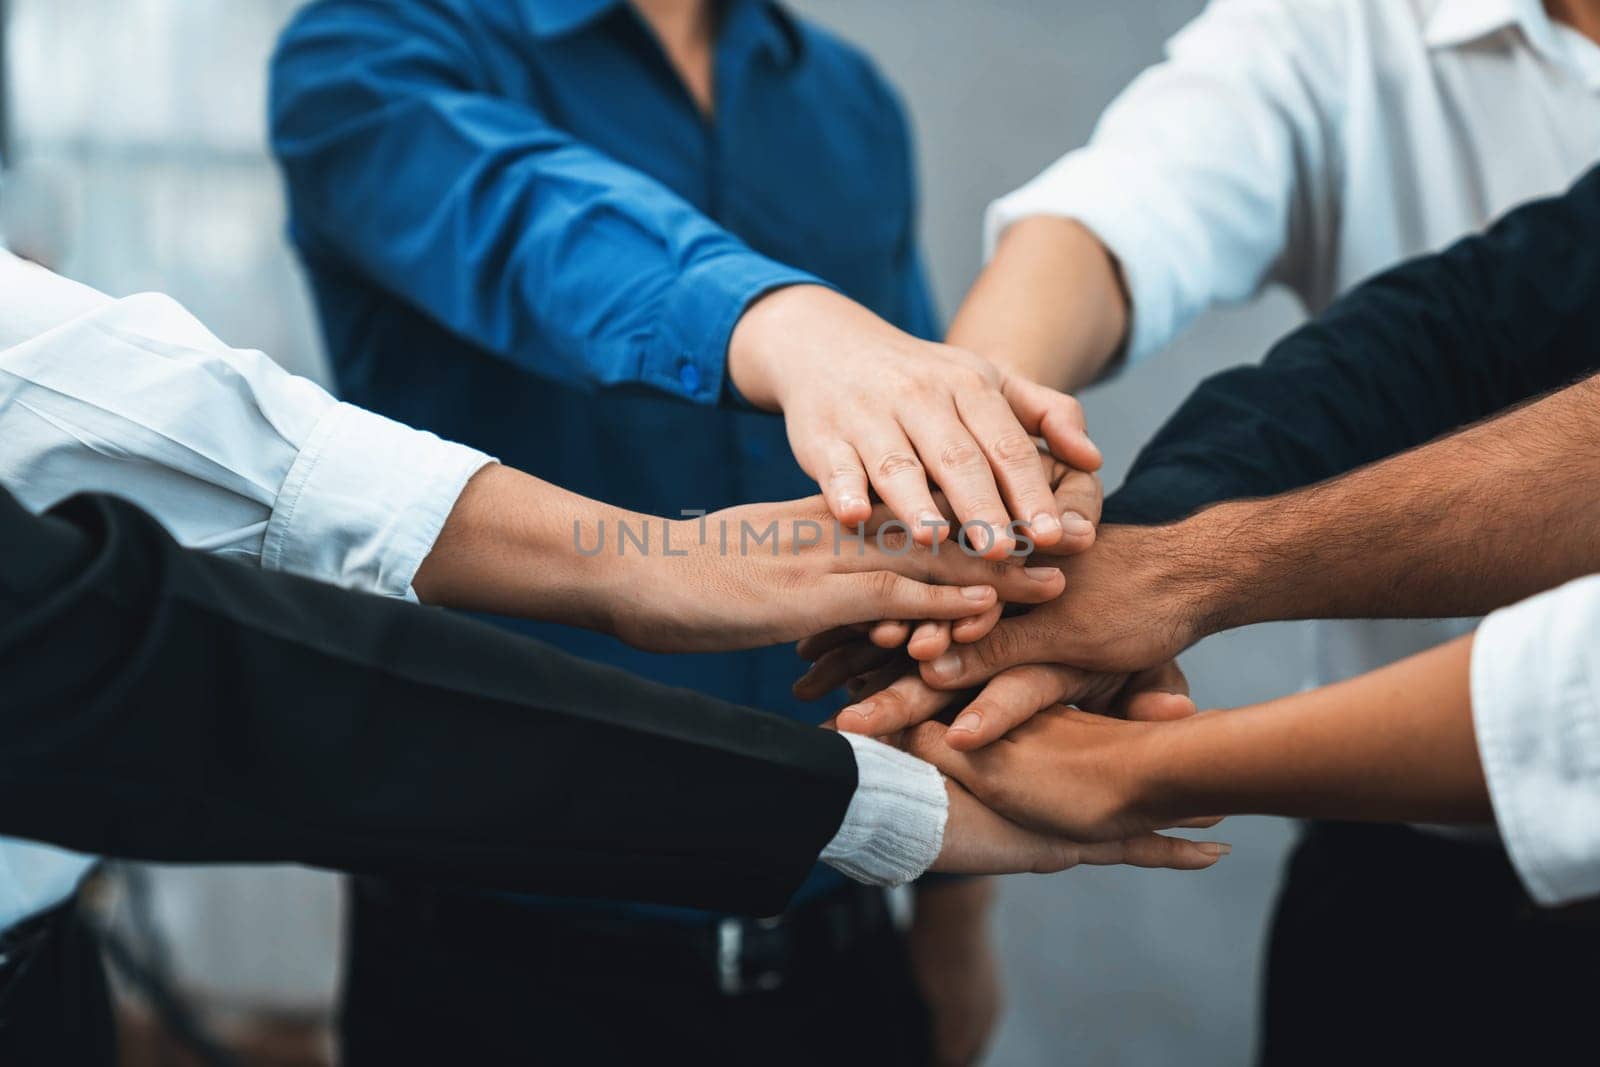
(775,28)
(555,18)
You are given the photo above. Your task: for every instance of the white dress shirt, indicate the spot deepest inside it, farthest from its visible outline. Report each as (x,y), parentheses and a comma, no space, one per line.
(1536,710)
(236,456)
(1314,143)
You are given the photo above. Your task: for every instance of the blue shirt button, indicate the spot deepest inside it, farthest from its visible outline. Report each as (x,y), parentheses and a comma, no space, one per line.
(689,375)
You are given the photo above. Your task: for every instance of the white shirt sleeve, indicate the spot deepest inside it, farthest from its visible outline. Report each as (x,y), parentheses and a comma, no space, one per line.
(231,453)
(1536,709)
(1204,173)
(894,827)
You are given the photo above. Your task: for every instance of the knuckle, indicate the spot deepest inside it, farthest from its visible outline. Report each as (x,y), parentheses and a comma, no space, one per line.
(883,585)
(896,463)
(960,456)
(1016,448)
(968,374)
(844,472)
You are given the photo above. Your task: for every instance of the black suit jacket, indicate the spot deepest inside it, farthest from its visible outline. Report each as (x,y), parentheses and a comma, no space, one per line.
(161,704)
(1420,350)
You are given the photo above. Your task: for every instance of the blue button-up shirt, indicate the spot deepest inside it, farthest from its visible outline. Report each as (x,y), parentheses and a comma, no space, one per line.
(523,234)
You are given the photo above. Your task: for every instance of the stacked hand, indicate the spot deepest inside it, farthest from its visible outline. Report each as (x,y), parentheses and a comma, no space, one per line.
(1105,647)
(1107,644)
(764,574)
(869,408)
(978,840)
(1087,777)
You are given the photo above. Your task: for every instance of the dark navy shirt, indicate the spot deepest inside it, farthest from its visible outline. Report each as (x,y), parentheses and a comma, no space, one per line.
(522,234)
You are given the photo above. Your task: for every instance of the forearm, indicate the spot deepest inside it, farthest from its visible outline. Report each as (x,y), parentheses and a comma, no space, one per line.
(516,545)
(1459,527)
(1394,745)
(1050,306)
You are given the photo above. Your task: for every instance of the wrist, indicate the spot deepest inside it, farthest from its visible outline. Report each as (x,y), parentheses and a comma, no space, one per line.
(754,360)
(1166,783)
(1215,575)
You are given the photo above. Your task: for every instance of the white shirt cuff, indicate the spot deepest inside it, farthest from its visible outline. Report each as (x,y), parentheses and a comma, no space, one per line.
(365,501)
(1536,711)
(894,827)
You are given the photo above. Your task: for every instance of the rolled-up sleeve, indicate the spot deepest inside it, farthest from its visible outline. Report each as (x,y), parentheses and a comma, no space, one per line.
(233,454)
(1536,709)
(493,220)
(1200,174)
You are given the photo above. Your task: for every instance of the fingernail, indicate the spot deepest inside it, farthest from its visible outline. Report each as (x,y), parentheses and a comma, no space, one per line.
(1046,524)
(1214,849)
(1076,525)
(850,503)
(975,592)
(863,710)
(945,667)
(1042,574)
(967,723)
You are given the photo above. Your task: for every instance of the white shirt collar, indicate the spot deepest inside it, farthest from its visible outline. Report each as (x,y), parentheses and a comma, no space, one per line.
(1454,23)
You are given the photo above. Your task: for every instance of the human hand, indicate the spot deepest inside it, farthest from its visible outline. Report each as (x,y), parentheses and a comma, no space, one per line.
(869,407)
(1088,777)
(1079,496)
(953,963)
(978,840)
(1137,599)
(1012,697)
(763,574)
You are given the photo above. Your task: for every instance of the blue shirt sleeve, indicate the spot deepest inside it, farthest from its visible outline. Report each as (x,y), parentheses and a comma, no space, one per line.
(1419,351)
(492,220)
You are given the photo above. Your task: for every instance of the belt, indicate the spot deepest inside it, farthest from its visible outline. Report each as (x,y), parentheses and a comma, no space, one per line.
(732,956)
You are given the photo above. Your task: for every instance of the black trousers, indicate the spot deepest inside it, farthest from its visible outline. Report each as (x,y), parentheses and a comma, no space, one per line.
(453,978)
(55,1008)
(1390,945)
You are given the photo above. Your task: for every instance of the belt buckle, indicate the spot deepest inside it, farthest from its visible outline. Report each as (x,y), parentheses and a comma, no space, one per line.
(732,956)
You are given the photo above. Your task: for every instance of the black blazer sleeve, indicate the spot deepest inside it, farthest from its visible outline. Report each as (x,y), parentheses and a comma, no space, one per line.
(1421,350)
(165,705)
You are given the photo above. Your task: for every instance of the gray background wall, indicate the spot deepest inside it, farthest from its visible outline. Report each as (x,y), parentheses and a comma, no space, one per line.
(139,128)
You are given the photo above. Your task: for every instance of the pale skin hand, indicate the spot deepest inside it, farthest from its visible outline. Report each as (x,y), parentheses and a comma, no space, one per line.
(1393,745)
(510,546)
(871,408)
(748,596)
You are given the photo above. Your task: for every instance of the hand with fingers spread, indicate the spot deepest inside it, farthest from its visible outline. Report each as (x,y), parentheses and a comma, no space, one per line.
(870,408)
(1088,777)
(763,574)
